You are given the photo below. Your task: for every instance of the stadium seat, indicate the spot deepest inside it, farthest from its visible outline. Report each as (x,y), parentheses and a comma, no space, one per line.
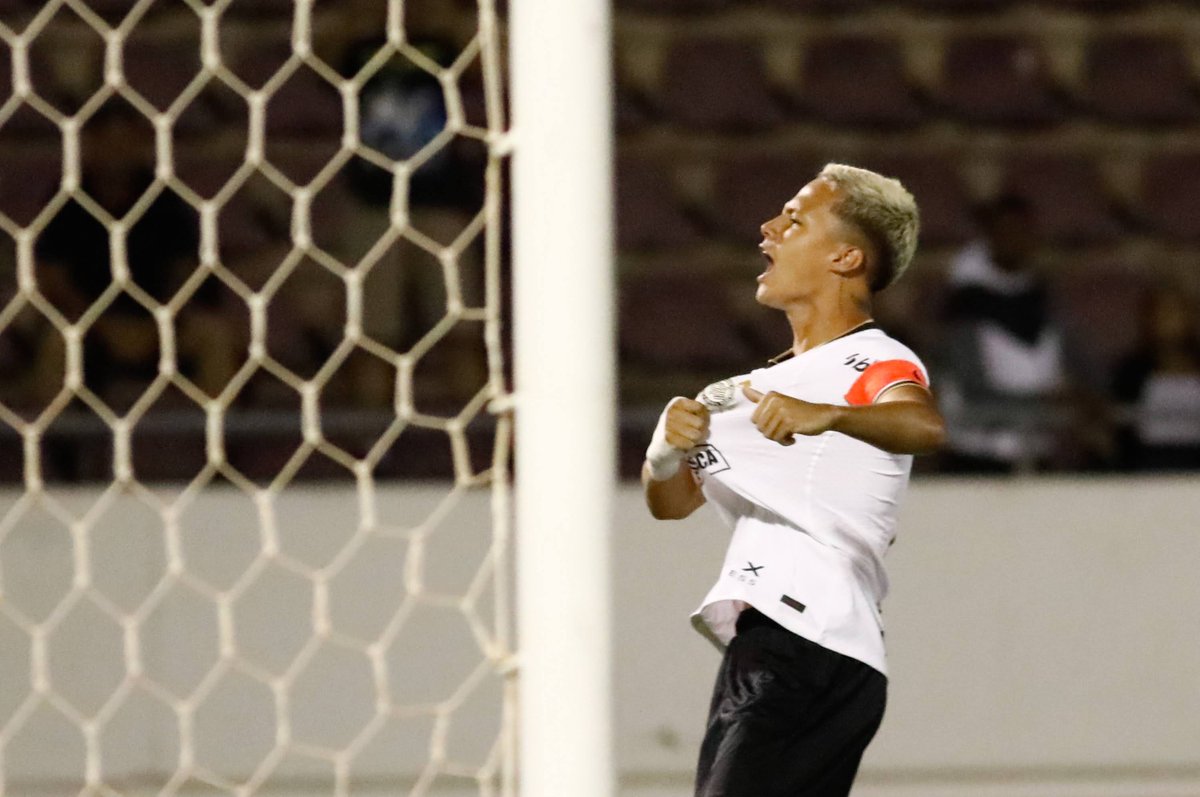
(111,11)
(257,62)
(66,78)
(261,459)
(1098,6)
(28,182)
(679,319)
(935,182)
(1140,79)
(169,457)
(160,70)
(302,163)
(962,6)
(254,218)
(671,6)
(857,80)
(650,214)
(1067,195)
(206,171)
(29,125)
(632,111)
(635,77)
(272,8)
(718,83)
(821,6)
(215,107)
(998,79)
(1170,192)
(751,190)
(304,104)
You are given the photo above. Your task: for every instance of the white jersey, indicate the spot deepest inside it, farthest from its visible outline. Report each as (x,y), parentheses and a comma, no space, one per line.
(811,521)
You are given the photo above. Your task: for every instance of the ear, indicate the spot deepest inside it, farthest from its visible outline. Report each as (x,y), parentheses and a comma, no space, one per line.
(850,261)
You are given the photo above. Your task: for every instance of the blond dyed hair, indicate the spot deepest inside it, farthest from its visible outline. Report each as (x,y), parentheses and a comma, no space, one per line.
(883,209)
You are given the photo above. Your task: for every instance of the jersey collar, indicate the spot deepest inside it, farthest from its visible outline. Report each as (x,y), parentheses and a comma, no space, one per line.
(789,354)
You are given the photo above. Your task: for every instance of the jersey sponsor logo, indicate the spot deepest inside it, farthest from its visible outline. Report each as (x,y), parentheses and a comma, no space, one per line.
(708,459)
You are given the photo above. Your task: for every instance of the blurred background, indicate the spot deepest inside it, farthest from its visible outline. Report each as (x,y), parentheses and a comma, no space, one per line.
(1051,146)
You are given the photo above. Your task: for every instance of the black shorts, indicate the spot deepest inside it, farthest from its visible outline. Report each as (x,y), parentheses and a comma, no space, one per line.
(789,718)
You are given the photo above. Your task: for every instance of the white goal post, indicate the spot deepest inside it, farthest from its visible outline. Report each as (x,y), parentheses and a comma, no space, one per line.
(565,391)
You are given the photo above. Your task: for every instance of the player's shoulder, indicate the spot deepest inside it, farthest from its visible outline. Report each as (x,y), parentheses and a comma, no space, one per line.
(855,368)
(869,346)
(879,362)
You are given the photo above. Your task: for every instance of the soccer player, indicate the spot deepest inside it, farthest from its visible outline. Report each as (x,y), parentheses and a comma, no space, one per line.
(806,459)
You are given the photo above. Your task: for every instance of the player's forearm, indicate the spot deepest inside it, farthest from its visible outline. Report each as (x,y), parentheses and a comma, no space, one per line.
(899,427)
(673,498)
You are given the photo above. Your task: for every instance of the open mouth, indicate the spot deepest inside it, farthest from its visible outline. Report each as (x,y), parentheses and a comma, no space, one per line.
(770,262)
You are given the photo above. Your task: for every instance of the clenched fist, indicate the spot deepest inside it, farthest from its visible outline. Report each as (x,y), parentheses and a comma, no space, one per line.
(779,417)
(683,424)
(687,423)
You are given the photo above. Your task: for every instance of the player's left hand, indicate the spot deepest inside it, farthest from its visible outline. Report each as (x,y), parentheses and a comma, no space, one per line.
(779,417)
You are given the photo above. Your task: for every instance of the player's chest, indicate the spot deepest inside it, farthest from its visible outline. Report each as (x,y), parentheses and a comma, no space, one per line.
(825,379)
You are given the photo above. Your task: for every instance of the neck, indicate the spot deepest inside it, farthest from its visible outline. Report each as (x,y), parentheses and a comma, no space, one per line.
(814,322)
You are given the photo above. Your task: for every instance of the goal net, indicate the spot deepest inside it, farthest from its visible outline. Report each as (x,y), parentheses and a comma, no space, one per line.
(249,279)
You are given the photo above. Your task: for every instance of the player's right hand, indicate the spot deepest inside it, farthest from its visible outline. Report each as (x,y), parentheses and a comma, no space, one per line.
(686,423)
(682,425)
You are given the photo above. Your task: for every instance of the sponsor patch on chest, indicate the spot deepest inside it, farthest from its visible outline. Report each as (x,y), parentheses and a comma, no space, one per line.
(708,459)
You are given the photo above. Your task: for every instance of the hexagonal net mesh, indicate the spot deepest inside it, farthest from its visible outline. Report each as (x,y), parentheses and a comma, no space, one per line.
(250,278)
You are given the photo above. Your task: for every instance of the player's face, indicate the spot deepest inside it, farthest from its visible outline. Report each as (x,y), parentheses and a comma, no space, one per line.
(800,245)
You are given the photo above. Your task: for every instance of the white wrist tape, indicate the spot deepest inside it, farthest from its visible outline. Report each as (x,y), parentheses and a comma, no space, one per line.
(663,458)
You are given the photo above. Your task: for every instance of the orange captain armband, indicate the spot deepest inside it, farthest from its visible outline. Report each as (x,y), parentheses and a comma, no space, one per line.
(883,375)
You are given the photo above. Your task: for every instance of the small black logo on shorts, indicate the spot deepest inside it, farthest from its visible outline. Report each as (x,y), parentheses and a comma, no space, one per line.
(753,568)
(707,458)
